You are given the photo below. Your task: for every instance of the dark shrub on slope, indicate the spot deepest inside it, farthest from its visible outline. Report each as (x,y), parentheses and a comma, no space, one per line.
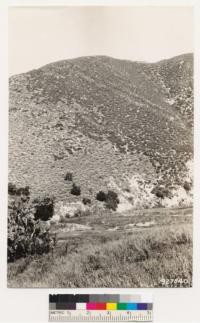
(161,192)
(112,200)
(76,190)
(68,177)
(101,196)
(13,190)
(86,201)
(187,186)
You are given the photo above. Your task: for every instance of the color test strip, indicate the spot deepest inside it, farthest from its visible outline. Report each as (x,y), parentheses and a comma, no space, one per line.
(109,302)
(101,306)
(95,298)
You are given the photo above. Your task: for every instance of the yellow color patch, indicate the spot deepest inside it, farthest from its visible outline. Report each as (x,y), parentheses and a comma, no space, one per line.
(111,306)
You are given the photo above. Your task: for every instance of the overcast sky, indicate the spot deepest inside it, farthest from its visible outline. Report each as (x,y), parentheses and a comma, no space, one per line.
(38,36)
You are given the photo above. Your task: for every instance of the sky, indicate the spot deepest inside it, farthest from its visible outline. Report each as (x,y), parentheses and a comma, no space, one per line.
(38,36)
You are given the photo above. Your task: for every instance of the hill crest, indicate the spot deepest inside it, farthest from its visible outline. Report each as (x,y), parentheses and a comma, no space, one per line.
(105,120)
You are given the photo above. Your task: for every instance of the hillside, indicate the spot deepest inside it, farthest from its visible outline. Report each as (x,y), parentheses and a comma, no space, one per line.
(112,123)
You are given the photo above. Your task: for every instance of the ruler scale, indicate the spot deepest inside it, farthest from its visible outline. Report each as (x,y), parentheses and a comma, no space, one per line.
(99,308)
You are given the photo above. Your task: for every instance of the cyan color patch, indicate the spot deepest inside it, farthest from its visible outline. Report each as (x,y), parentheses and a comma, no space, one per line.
(131,306)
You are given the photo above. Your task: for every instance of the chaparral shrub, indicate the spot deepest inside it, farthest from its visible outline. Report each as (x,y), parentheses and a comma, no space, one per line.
(13,190)
(161,192)
(44,208)
(86,201)
(76,190)
(68,176)
(187,186)
(112,200)
(101,196)
(81,213)
(26,235)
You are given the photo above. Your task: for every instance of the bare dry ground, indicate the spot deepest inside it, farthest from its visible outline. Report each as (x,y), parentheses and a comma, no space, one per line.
(146,248)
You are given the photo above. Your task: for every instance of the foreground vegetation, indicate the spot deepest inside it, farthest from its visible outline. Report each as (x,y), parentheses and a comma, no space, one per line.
(130,259)
(28,232)
(96,247)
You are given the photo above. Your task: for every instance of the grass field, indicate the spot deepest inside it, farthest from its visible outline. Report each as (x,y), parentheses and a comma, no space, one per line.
(150,248)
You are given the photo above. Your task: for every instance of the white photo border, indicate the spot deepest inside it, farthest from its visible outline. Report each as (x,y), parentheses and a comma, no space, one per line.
(31,305)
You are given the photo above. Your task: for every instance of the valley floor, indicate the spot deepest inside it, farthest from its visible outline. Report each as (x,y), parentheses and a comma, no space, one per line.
(147,248)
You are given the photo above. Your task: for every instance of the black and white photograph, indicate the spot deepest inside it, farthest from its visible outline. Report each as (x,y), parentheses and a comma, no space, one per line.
(100,182)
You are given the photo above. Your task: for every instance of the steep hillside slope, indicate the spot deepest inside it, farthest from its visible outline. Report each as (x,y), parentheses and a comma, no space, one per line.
(177,75)
(110,122)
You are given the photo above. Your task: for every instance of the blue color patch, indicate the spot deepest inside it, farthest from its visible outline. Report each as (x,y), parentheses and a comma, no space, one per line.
(131,306)
(142,306)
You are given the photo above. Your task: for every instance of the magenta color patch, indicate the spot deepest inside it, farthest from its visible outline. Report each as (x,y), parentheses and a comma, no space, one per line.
(91,306)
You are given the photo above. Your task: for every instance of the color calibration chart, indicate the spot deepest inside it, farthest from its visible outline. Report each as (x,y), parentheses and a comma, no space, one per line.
(100,308)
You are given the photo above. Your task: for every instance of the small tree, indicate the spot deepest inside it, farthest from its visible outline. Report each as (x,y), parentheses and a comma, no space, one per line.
(44,208)
(76,190)
(101,196)
(112,200)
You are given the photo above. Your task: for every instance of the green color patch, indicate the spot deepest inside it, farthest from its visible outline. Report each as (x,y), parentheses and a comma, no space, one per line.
(121,306)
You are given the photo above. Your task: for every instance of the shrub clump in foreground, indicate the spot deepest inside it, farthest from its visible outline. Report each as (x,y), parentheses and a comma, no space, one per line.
(26,234)
(123,259)
(44,208)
